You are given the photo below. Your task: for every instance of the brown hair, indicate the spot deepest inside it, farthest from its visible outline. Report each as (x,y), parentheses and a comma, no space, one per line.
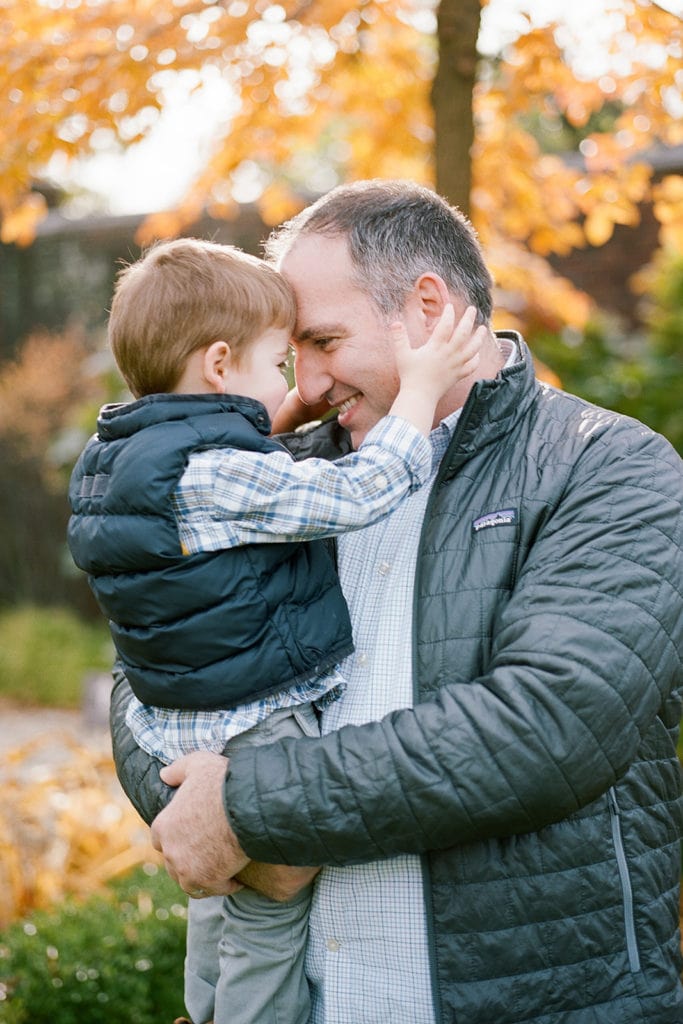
(183,295)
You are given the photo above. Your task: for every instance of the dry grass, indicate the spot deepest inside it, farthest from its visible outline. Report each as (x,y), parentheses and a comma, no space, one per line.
(65,826)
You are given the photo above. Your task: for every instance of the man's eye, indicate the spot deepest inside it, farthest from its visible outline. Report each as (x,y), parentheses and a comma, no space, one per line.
(286,365)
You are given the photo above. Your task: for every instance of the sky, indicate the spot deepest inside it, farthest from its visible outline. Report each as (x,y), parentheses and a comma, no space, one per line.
(154,174)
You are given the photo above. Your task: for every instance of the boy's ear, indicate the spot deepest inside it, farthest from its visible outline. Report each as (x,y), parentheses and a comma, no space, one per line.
(216,365)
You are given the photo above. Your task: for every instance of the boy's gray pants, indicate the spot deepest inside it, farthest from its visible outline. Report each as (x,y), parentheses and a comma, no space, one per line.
(245,952)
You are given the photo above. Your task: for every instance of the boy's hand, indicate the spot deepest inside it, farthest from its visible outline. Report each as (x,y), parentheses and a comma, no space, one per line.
(450,354)
(294,413)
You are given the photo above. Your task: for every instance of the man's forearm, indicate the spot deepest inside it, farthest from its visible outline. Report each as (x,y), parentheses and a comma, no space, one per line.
(140,779)
(138,772)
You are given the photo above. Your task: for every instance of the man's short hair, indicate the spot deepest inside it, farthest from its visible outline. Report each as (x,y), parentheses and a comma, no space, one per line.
(396,231)
(183,295)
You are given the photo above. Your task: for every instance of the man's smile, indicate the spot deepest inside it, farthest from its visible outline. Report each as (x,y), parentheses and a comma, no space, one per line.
(346,406)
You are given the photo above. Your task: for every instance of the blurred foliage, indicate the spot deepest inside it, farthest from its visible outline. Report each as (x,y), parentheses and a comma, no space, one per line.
(66,827)
(49,397)
(116,957)
(289,83)
(638,374)
(81,939)
(45,653)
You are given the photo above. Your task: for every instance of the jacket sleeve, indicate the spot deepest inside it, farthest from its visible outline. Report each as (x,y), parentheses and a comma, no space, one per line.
(583,670)
(137,771)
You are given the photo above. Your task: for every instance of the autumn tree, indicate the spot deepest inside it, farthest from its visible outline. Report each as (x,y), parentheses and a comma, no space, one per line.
(388,88)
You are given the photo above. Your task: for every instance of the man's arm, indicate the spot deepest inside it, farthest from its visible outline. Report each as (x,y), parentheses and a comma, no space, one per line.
(585,656)
(208,862)
(200,849)
(138,772)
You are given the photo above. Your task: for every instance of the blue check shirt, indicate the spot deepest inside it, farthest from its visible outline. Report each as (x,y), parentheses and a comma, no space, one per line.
(228,497)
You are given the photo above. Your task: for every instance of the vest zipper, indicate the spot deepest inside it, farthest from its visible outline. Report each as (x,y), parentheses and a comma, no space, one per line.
(625,878)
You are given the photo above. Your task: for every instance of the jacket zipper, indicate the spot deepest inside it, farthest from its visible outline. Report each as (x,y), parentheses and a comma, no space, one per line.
(625,878)
(426,876)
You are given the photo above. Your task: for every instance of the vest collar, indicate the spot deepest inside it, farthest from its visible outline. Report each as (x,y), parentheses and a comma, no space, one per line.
(125,418)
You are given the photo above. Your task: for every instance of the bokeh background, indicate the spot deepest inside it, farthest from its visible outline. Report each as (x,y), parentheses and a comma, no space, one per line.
(558,128)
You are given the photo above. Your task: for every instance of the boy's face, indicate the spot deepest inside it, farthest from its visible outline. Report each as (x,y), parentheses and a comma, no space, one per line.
(261,371)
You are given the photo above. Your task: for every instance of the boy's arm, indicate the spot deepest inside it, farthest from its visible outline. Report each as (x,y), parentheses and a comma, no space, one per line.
(294,412)
(228,498)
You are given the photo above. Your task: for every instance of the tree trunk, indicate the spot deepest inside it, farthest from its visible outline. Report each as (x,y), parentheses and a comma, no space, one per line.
(458,30)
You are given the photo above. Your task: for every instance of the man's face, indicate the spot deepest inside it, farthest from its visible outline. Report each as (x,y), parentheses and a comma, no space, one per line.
(343,350)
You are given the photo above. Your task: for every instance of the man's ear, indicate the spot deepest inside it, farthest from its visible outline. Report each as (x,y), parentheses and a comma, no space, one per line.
(216,366)
(431,295)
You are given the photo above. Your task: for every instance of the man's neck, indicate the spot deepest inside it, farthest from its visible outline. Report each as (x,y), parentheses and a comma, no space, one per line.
(493,359)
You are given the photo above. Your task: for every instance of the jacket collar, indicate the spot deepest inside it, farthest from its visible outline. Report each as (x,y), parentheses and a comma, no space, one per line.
(492,409)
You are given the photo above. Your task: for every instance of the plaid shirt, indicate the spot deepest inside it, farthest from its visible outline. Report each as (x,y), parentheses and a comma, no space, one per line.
(228,497)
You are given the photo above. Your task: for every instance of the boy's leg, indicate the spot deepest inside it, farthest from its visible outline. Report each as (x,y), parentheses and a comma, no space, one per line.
(258,959)
(204,931)
(261,958)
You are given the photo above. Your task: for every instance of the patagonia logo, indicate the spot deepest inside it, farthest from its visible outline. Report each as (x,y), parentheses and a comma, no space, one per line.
(504,517)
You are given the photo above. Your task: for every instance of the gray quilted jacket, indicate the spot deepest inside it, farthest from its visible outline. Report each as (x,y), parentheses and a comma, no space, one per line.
(537,773)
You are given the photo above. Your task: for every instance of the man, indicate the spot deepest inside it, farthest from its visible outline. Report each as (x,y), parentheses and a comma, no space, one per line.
(496,800)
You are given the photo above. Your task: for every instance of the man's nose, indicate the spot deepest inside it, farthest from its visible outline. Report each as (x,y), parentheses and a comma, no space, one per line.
(312,379)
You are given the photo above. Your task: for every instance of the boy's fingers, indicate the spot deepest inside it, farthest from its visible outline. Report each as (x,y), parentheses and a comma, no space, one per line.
(470,365)
(473,344)
(399,334)
(447,318)
(466,323)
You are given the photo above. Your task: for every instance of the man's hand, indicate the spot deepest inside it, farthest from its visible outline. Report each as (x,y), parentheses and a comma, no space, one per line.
(201,851)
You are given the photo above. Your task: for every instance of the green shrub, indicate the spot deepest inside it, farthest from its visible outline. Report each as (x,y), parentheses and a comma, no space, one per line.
(636,373)
(117,957)
(46,652)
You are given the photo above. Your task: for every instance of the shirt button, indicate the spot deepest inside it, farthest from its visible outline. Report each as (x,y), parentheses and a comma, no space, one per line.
(333,945)
(362,658)
(384,568)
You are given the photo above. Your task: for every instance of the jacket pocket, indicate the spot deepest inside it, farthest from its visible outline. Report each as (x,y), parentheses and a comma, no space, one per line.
(625,879)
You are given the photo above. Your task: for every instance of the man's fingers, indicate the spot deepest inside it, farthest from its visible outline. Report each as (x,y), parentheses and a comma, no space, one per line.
(174,774)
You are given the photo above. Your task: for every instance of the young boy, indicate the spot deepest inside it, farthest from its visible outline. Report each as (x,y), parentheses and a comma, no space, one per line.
(189,520)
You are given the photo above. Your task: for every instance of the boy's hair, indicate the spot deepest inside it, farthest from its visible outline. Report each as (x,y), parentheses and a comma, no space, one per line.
(183,295)
(395,231)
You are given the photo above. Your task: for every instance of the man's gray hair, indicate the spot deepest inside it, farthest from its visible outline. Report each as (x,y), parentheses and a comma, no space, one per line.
(396,231)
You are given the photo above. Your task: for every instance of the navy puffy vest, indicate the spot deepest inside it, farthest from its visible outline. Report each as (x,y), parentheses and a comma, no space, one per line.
(200,631)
